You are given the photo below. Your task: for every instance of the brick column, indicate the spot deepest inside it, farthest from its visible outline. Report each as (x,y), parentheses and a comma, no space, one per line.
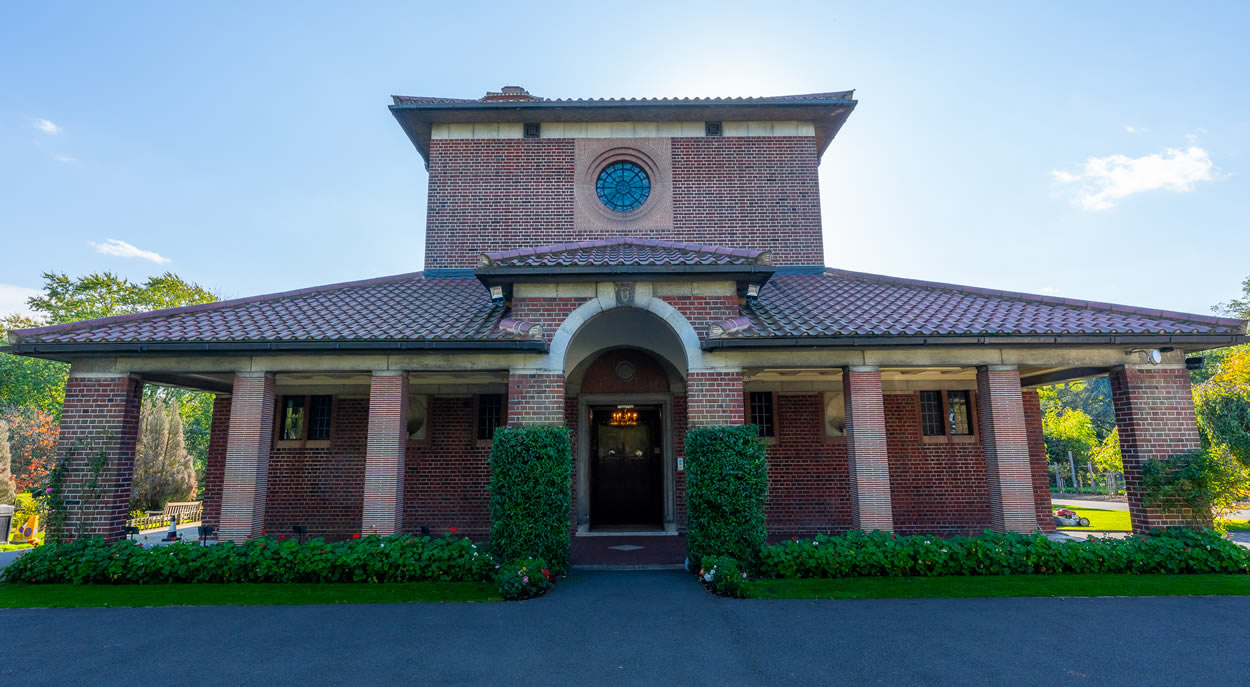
(1005,440)
(1037,460)
(1154,413)
(535,397)
(714,398)
(872,508)
(215,462)
(384,455)
(99,431)
(246,475)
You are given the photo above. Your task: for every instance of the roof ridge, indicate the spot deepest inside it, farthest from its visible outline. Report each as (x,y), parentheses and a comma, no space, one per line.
(504,101)
(215,305)
(1038,298)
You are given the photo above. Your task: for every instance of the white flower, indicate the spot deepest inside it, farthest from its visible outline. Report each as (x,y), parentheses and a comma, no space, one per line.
(943,550)
(815,543)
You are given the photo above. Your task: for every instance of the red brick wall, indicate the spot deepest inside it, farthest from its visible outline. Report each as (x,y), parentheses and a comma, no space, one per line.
(447,482)
(749,192)
(535,398)
(809,490)
(714,398)
(742,192)
(548,312)
(1154,413)
(321,488)
(492,195)
(701,310)
(600,377)
(100,418)
(1037,460)
(215,461)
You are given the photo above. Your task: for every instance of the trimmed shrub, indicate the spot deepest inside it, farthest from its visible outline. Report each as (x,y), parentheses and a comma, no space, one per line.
(726,484)
(531,482)
(880,554)
(399,558)
(523,579)
(724,577)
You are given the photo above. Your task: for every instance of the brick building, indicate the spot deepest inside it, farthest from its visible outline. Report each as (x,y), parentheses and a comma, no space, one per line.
(629,268)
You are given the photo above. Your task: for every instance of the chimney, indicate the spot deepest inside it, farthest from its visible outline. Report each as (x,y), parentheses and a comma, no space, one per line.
(509,93)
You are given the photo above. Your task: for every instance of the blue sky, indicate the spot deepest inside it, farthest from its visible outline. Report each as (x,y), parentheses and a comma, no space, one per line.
(1090,150)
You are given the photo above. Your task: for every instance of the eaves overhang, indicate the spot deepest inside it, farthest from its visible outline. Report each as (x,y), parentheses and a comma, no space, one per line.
(1197,342)
(418,119)
(68,351)
(504,276)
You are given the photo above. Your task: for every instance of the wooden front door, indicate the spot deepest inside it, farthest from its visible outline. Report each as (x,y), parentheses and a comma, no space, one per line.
(626,467)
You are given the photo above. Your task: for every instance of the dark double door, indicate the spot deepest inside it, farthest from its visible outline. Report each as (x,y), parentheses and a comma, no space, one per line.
(626,467)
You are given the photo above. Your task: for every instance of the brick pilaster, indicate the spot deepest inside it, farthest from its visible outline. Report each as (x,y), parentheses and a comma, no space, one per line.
(535,398)
(1154,413)
(866,450)
(384,455)
(99,432)
(1004,438)
(215,462)
(246,475)
(714,398)
(1037,460)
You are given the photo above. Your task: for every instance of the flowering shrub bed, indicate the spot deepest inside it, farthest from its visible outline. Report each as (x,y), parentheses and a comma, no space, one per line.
(400,558)
(523,578)
(722,576)
(885,555)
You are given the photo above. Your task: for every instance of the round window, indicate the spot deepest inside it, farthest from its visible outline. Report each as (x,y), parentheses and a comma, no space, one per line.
(623,186)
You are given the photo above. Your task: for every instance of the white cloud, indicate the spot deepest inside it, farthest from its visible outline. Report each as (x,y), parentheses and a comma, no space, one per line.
(124,250)
(47,127)
(1134,129)
(64,158)
(13,299)
(1050,291)
(1103,181)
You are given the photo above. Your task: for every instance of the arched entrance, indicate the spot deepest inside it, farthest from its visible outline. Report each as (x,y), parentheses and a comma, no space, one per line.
(618,367)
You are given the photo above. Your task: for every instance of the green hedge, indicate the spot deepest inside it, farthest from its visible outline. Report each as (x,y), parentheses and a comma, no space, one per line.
(399,558)
(726,484)
(530,494)
(884,555)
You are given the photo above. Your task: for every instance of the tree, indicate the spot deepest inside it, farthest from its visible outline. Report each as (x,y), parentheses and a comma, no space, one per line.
(1236,307)
(32,439)
(30,381)
(1068,429)
(1107,457)
(1092,397)
(8,486)
(163,469)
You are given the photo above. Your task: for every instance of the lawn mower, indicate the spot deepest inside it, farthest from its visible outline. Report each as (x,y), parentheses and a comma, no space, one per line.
(1066,517)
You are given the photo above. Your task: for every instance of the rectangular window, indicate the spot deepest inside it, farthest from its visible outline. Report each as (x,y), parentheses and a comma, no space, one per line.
(319,418)
(489,415)
(959,412)
(931,413)
(305,418)
(762,412)
(293,418)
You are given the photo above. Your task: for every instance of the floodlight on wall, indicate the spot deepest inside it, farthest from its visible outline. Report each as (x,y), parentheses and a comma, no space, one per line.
(496,293)
(1195,363)
(1153,355)
(753,291)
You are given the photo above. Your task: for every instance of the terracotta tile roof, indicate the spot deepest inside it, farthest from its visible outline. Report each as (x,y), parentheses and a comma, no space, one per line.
(405,307)
(842,303)
(506,102)
(624,252)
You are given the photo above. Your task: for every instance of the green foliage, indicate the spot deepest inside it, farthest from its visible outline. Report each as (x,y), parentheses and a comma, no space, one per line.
(163,469)
(8,486)
(67,299)
(726,484)
(724,577)
(1107,454)
(884,555)
(30,382)
(1237,307)
(523,578)
(1207,482)
(1068,429)
(531,494)
(400,558)
(1091,396)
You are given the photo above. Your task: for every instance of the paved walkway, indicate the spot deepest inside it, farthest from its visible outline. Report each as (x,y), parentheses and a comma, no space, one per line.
(641,628)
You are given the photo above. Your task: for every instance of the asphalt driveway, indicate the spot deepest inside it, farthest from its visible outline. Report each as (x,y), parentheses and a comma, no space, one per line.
(641,628)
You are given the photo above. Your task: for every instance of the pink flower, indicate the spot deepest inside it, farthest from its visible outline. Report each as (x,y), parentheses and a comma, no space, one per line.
(526,579)
(49,491)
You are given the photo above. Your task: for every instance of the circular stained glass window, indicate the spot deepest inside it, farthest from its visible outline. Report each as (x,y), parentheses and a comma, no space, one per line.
(623,186)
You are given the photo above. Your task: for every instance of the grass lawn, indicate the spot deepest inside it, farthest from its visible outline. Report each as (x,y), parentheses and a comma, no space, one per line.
(1239,525)
(1099,519)
(1001,585)
(72,596)
(15,547)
